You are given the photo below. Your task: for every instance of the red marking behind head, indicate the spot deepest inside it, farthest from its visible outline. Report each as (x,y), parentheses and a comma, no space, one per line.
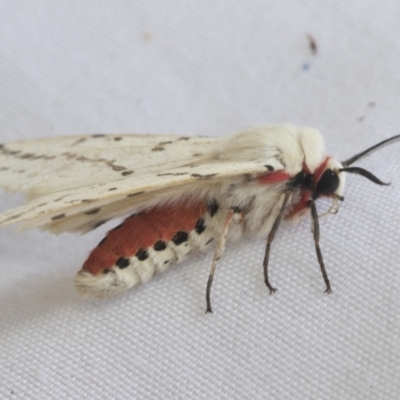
(320,170)
(274,177)
(142,231)
(305,197)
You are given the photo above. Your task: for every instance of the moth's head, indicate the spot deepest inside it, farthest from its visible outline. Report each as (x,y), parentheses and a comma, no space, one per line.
(329,181)
(329,178)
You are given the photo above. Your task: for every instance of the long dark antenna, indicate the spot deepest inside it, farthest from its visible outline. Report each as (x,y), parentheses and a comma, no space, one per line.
(369,151)
(363,172)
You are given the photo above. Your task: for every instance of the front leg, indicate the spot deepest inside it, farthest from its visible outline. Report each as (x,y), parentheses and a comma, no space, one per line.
(271,236)
(314,216)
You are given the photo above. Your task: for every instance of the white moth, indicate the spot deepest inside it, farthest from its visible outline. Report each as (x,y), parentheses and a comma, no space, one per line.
(185,193)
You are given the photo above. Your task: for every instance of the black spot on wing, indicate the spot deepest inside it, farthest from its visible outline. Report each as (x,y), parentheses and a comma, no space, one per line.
(159,245)
(116,167)
(56,217)
(200,227)
(122,262)
(93,211)
(98,135)
(135,194)
(200,176)
(173,173)
(212,207)
(15,216)
(125,173)
(184,138)
(79,141)
(180,237)
(111,189)
(26,156)
(269,167)
(117,138)
(142,254)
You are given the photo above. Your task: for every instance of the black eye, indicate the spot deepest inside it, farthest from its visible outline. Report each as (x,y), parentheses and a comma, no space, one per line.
(328,183)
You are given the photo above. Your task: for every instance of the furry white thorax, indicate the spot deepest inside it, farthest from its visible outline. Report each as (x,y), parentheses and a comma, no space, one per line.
(284,145)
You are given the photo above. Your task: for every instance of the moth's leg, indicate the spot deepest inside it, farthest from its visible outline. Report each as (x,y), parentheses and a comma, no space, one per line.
(233,215)
(288,196)
(314,216)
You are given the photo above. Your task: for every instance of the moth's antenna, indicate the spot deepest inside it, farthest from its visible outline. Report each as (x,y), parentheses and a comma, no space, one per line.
(363,172)
(369,151)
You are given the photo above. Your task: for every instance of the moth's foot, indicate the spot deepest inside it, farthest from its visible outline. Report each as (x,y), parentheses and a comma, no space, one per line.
(270,288)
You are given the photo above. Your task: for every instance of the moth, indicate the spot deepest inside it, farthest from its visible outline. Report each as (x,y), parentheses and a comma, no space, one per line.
(178,194)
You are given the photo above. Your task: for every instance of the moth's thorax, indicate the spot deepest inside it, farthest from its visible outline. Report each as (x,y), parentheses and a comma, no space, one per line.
(284,147)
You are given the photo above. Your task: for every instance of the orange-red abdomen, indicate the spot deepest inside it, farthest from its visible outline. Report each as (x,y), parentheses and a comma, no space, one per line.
(139,232)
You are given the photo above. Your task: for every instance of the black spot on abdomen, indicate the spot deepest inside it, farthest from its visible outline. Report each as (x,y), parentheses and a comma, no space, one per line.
(180,237)
(142,254)
(159,245)
(200,227)
(122,262)
(212,207)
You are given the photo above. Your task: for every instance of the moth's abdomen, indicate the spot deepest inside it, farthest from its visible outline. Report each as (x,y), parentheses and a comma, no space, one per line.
(144,244)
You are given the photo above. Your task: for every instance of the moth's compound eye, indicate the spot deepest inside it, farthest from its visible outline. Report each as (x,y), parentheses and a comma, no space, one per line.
(328,182)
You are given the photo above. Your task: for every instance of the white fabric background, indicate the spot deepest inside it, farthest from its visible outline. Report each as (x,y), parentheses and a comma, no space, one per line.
(210,68)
